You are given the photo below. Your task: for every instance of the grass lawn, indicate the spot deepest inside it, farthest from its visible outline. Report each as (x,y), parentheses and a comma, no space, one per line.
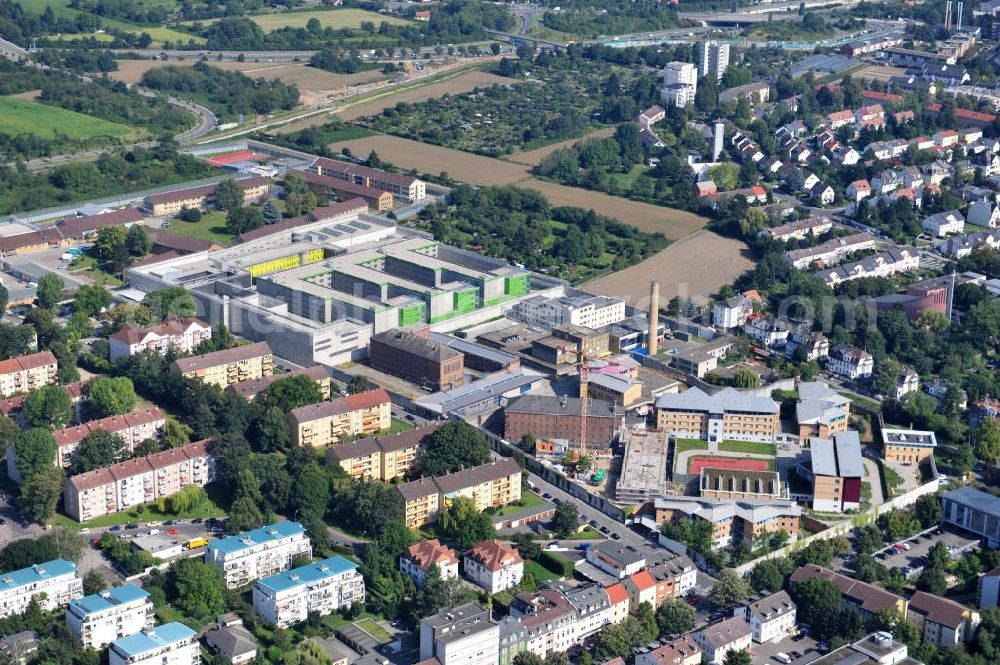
(210,508)
(375,630)
(330,18)
(87,266)
(540,572)
(589,533)
(892,479)
(528,500)
(858,399)
(748,447)
(159,34)
(399,426)
(211,227)
(23,116)
(683,445)
(336,620)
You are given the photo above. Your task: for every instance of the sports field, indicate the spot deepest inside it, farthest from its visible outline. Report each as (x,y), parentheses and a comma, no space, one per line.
(23,116)
(698,463)
(329,18)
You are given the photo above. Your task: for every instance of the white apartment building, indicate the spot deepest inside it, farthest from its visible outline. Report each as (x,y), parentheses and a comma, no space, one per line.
(323,587)
(850,361)
(25,373)
(767,330)
(417,559)
(54,583)
(104,617)
(714,59)
(718,639)
(104,491)
(263,552)
(593,610)
(732,312)
(169,644)
(680,83)
(942,224)
(589,312)
(182,335)
(493,565)
(462,635)
(770,618)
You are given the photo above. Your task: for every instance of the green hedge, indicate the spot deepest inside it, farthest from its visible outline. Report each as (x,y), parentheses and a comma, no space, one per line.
(556,564)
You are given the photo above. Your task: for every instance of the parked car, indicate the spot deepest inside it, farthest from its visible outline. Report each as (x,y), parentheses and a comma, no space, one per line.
(116,527)
(795,655)
(782,658)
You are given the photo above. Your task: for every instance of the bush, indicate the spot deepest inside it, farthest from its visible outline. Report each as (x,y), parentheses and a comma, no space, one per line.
(556,564)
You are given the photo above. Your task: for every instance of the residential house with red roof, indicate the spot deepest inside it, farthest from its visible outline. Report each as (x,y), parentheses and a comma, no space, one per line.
(493,565)
(417,559)
(181,334)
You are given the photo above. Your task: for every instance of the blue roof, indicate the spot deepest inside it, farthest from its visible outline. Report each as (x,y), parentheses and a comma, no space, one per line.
(314,572)
(264,534)
(36,573)
(105,600)
(154,638)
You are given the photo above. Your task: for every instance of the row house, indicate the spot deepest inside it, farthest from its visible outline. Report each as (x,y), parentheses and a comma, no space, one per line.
(417,560)
(887,149)
(799,230)
(593,610)
(658,584)
(137,481)
(25,373)
(224,368)
(262,552)
(52,584)
(903,117)
(958,248)
(329,423)
(839,119)
(169,644)
(831,251)
(825,140)
(548,618)
(884,264)
(104,617)
(181,335)
(134,428)
(794,130)
(322,588)
(850,361)
(942,224)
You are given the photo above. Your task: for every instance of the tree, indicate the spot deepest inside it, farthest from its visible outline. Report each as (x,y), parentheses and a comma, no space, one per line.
(359,384)
(932,581)
(611,642)
(93,582)
(9,430)
(49,290)
(465,524)
(817,600)
(988,440)
(311,491)
(271,213)
(228,195)
(48,407)
(566,521)
(4,298)
(894,622)
(176,434)
(174,301)
(938,556)
(737,657)
(292,392)
(869,539)
(887,374)
(730,589)
(243,219)
(271,431)
(98,450)
(675,617)
(745,378)
(196,588)
(40,493)
(110,396)
(453,446)
(91,299)
(244,515)
(34,450)
(928,510)
(138,240)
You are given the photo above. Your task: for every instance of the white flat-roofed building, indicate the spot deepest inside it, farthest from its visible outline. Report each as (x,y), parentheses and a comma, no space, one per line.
(53,583)
(323,587)
(169,644)
(680,83)
(619,560)
(770,617)
(587,311)
(262,552)
(104,617)
(462,635)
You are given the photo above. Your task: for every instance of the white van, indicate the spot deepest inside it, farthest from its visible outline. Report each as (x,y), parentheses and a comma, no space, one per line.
(783,658)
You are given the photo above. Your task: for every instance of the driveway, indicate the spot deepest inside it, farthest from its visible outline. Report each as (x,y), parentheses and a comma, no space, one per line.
(874,480)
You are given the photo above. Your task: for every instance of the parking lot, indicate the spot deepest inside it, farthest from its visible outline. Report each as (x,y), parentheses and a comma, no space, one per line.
(763,654)
(915,557)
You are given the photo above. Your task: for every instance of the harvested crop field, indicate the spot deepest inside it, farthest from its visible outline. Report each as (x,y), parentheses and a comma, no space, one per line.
(696,266)
(291,73)
(535,157)
(329,18)
(426,158)
(672,223)
(464,82)
(30,95)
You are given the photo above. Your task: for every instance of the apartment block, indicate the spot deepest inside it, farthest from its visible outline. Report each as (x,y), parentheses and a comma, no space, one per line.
(171,203)
(417,559)
(714,59)
(328,423)
(254,389)
(415,356)
(402,186)
(377,199)
(224,368)
(25,373)
(134,428)
(462,635)
(259,553)
(836,470)
(907,446)
(322,587)
(680,83)
(549,620)
(53,584)
(771,618)
(493,565)
(726,415)
(558,418)
(732,520)
(182,335)
(104,617)
(940,621)
(381,458)
(495,484)
(136,481)
(821,411)
(866,598)
(169,644)
(587,311)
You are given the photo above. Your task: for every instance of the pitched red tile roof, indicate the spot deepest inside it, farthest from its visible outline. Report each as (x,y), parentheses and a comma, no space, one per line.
(494,555)
(74,227)
(427,552)
(357,402)
(617,593)
(31,361)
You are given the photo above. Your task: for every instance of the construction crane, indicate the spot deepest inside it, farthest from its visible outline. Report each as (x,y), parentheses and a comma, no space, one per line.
(583,356)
